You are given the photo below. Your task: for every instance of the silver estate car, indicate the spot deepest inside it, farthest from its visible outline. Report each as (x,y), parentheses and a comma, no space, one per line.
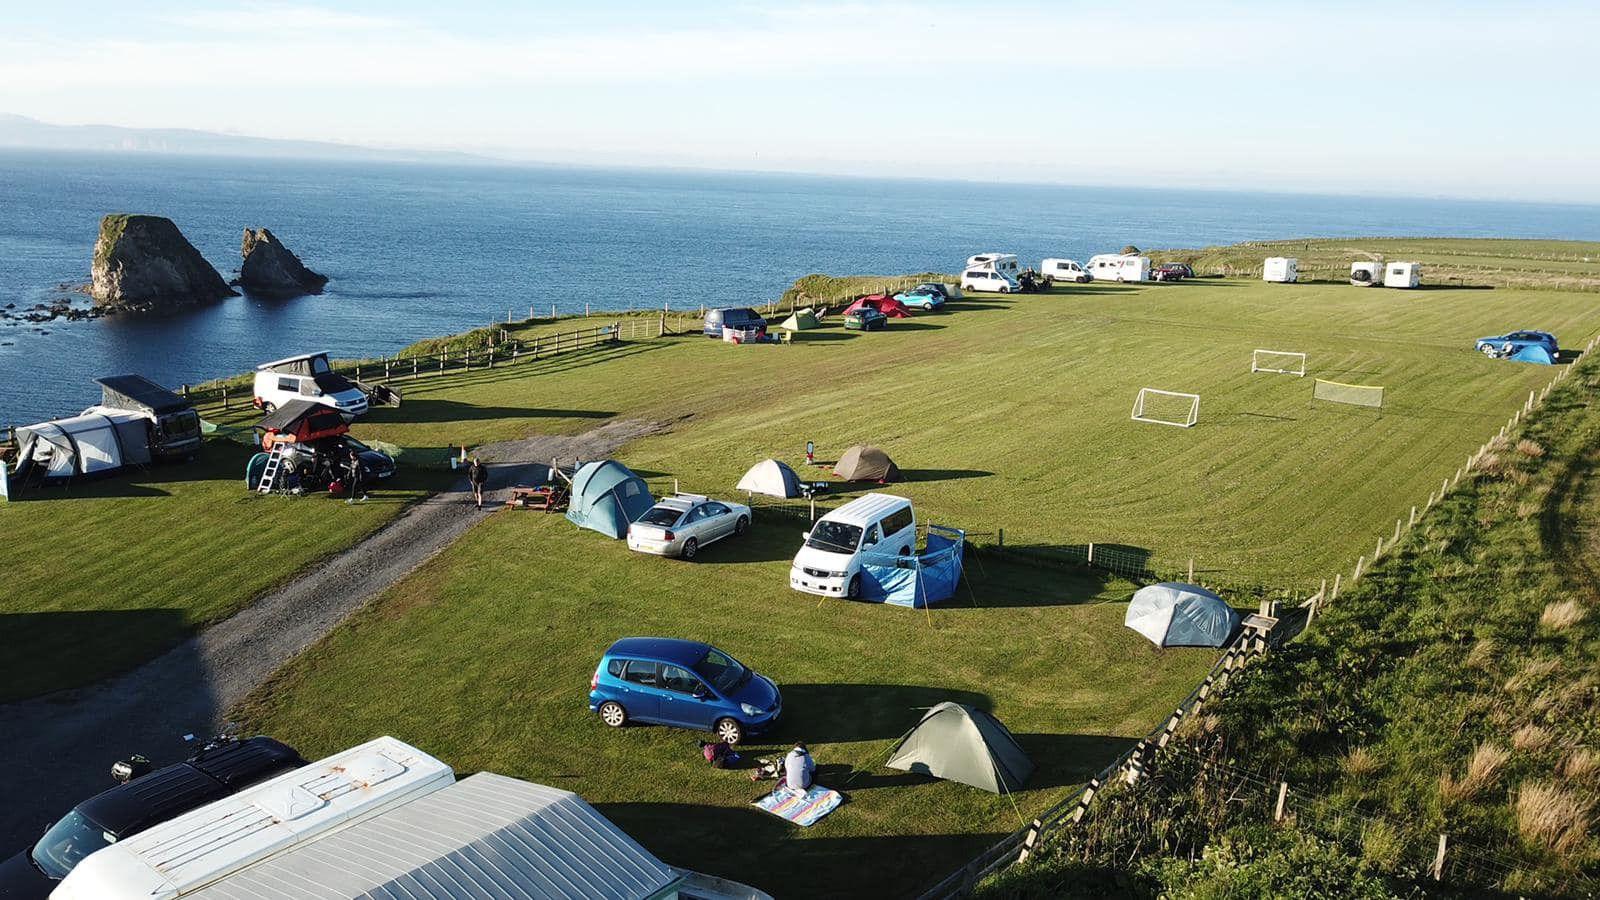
(681,524)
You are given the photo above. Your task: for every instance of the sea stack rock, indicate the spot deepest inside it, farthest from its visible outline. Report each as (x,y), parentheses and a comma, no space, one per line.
(145,262)
(269,267)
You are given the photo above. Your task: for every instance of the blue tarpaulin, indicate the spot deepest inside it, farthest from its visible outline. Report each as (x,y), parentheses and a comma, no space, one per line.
(916,581)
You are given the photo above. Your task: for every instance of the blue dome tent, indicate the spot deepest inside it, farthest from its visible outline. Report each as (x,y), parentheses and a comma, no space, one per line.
(607,497)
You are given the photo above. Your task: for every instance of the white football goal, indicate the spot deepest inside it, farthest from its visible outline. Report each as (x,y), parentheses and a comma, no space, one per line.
(1166,408)
(1282,362)
(1356,394)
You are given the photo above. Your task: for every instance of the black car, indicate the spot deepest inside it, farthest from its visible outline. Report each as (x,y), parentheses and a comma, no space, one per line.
(1172,272)
(740,317)
(222,767)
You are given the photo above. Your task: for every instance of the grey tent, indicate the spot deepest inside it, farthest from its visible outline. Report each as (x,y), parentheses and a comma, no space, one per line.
(957,742)
(770,477)
(1173,614)
(83,445)
(866,463)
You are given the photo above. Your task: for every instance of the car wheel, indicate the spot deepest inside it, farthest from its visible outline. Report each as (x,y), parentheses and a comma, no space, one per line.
(741,525)
(905,551)
(612,713)
(1004,289)
(1083,279)
(730,730)
(690,548)
(854,589)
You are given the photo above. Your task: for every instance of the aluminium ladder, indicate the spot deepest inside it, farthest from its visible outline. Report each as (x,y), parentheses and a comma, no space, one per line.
(269,475)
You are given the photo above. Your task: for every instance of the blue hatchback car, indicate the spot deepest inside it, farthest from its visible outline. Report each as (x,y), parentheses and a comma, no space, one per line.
(685,683)
(1503,345)
(925,298)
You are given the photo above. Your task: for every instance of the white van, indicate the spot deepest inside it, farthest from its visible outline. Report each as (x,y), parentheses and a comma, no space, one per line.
(1281,269)
(307,377)
(1004,263)
(205,845)
(829,563)
(1119,267)
(1063,270)
(988,281)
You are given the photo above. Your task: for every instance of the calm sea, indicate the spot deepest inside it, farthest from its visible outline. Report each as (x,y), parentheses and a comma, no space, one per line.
(416,251)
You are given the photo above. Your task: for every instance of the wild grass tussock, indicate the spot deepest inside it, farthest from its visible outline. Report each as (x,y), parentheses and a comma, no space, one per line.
(1484,766)
(1561,615)
(1483,654)
(1361,763)
(1530,448)
(1582,764)
(1552,816)
(1531,738)
(1492,465)
(1533,672)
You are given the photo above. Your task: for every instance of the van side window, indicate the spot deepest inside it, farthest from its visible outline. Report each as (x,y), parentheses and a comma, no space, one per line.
(289,384)
(895,522)
(640,671)
(872,536)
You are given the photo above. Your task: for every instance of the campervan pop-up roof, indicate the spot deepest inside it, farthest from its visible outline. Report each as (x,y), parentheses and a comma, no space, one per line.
(179,857)
(138,392)
(304,364)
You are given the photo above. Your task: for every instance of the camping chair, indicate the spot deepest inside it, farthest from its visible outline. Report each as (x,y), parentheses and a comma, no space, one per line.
(785,336)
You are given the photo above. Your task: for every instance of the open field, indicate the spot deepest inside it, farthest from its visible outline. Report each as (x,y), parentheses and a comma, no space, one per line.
(484,657)
(1004,412)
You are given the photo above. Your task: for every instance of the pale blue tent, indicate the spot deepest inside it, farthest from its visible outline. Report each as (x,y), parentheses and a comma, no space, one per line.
(1533,353)
(1173,614)
(607,497)
(919,580)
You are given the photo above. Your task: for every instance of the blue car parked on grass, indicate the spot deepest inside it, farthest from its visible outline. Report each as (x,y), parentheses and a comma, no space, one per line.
(1504,345)
(924,298)
(684,683)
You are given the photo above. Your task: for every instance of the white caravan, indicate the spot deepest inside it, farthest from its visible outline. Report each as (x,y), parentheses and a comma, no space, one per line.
(1402,274)
(1119,267)
(307,377)
(829,563)
(1366,273)
(988,281)
(1063,270)
(1281,270)
(1004,263)
(205,845)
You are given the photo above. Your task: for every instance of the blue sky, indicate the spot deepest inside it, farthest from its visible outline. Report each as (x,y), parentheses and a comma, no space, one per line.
(1460,99)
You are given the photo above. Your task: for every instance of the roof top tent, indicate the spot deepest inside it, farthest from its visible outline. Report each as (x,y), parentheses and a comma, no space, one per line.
(916,581)
(866,463)
(85,445)
(484,836)
(957,742)
(1173,614)
(179,857)
(175,426)
(300,421)
(1281,269)
(607,497)
(1402,275)
(771,478)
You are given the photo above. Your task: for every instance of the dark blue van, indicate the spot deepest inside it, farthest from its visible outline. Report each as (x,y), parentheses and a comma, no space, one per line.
(684,683)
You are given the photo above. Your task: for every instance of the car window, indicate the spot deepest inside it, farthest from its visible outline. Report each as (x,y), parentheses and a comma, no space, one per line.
(640,671)
(714,509)
(289,384)
(67,842)
(871,537)
(308,388)
(660,516)
(674,678)
(614,667)
(834,536)
(720,669)
(897,521)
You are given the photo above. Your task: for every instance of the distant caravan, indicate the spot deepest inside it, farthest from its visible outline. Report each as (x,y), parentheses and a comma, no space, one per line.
(1119,267)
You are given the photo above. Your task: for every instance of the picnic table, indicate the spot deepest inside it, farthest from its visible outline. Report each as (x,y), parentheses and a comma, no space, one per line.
(547,497)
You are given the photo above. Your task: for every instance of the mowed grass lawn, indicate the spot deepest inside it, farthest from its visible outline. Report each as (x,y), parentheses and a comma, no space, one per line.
(483,657)
(1014,412)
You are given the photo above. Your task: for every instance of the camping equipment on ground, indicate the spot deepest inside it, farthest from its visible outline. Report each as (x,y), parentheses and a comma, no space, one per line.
(607,497)
(864,462)
(883,303)
(772,478)
(803,808)
(546,497)
(101,442)
(915,581)
(801,320)
(744,334)
(1173,614)
(957,742)
(174,430)
(301,421)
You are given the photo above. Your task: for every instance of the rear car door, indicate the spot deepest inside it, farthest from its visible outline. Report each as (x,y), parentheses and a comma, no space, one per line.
(679,705)
(718,522)
(641,689)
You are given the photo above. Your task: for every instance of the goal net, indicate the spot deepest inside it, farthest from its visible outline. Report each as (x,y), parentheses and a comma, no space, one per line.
(1357,394)
(1166,408)
(1283,362)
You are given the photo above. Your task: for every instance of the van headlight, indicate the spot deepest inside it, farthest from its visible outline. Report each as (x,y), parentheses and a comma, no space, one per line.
(749,710)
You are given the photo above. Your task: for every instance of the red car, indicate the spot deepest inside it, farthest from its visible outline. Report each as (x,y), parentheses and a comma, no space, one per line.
(1172,272)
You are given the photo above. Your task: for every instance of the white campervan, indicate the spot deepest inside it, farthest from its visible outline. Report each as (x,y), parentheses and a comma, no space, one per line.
(1366,273)
(1004,263)
(988,280)
(1281,270)
(307,377)
(1402,275)
(205,845)
(1119,267)
(829,563)
(1063,270)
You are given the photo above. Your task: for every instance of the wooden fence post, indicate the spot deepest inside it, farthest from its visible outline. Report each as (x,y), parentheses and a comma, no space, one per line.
(813,508)
(1396,539)
(1283,795)
(413,368)
(1413,518)
(1337,577)
(469,357)
(1438,858)
(224,396)
(1359,563)
(1002,538)
(1191,570)
(1091,553)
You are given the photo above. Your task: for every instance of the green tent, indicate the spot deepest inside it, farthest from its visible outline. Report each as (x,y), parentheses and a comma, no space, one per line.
(607,497)
(801,320)
(959,743)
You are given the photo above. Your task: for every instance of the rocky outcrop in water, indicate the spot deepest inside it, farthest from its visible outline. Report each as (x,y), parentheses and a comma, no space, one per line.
(145,262)
(270,268)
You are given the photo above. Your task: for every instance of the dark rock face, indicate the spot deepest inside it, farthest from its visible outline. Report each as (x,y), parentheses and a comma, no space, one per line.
(270,268)
(145,262)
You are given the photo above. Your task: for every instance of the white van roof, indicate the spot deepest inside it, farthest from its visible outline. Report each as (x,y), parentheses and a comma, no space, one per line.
(289,359)
(867,509)
(484,836)
(178,857)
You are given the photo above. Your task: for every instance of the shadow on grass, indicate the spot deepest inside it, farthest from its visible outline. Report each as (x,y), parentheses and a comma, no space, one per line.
(843,712)
(1045,575)
(903,325)
(774,541)
(216,461)
(424,409)
(941,474)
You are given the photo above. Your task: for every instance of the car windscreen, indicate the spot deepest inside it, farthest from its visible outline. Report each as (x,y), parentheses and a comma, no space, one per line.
(834,536)
(67,843)
(720,670)
(660,516)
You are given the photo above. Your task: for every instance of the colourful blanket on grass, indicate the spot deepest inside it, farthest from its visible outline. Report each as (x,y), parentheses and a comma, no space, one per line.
(803,808)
